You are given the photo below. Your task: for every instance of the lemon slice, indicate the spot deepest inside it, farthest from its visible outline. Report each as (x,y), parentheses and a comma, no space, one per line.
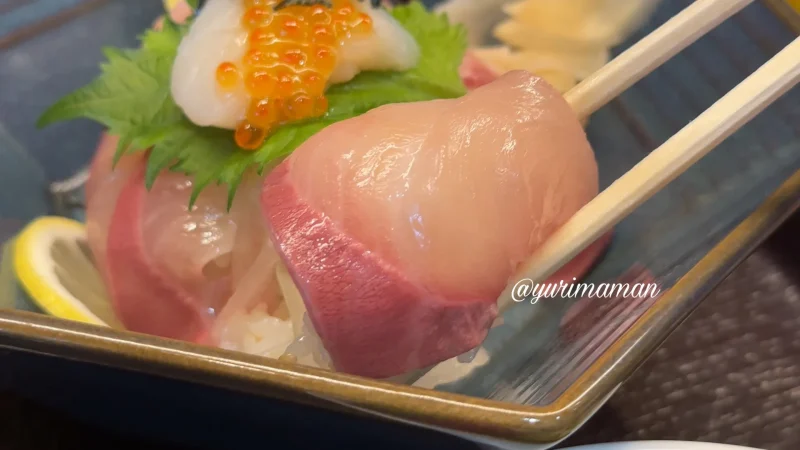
(53,264)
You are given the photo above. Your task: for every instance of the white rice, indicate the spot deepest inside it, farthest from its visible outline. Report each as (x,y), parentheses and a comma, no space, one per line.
(258,333)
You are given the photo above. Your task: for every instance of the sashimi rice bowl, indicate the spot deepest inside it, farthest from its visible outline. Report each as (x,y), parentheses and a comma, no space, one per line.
(343,184)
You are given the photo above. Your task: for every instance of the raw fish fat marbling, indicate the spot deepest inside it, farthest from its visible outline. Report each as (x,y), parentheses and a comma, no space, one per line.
(402,226)
(171,270)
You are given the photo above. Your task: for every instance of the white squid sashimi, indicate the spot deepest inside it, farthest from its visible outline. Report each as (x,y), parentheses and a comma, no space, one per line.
(218,36)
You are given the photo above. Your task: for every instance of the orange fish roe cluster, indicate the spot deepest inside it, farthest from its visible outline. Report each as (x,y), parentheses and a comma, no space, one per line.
(291,55)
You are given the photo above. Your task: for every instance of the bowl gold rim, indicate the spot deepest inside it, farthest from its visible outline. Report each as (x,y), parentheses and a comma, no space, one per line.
(250,374)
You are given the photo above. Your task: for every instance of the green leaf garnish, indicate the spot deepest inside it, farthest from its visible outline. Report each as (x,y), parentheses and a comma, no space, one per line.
(132,97)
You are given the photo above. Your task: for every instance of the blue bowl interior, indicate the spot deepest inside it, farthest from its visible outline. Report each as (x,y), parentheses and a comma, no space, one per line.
(533,357)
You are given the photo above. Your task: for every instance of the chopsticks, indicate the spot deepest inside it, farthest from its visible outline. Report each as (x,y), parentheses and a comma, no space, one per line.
(663,165)
(653,50)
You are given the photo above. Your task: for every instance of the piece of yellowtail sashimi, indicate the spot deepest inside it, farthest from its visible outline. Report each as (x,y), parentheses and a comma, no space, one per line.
(218,36)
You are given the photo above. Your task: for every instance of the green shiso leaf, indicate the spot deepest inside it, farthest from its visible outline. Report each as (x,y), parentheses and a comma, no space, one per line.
(132,97)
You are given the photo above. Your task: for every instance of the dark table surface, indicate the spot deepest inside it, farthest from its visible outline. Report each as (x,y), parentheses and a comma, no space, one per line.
(731,372)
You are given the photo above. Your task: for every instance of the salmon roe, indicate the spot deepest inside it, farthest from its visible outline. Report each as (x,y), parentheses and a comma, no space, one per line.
(290,57)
